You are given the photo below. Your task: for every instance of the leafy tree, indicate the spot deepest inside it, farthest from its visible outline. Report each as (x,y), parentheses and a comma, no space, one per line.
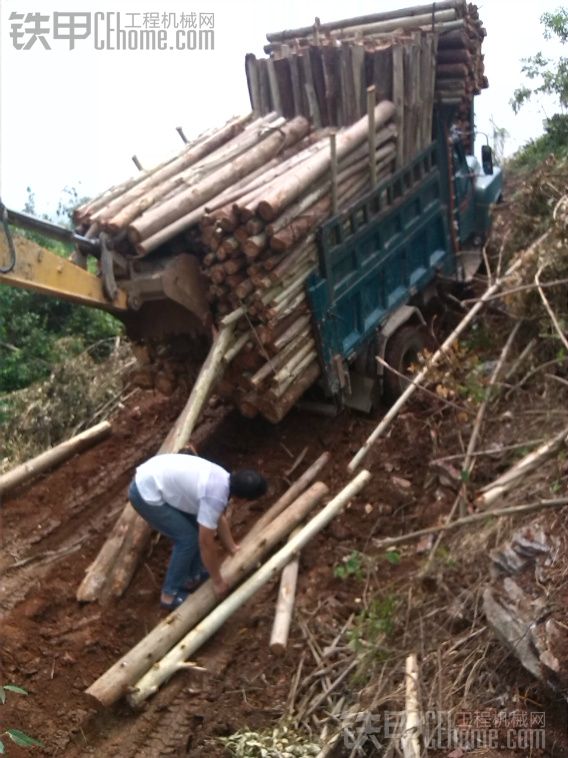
(550,76)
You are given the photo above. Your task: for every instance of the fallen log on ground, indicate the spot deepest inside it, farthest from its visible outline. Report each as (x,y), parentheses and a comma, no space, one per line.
(174,660)
(111,571)
(115,682)
(49,458)
(285,604)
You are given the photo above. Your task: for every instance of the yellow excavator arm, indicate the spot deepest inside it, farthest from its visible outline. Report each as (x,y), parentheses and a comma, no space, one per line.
(27,265)
(35,268)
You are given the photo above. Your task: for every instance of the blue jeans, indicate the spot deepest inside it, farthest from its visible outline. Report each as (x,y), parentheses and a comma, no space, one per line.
(185,561)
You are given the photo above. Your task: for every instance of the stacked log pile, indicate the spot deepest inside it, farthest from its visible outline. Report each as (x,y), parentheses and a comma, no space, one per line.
(264,250)
(323,71)
(247,200)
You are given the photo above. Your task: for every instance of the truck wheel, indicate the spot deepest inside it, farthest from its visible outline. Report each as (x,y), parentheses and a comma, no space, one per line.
(401,353)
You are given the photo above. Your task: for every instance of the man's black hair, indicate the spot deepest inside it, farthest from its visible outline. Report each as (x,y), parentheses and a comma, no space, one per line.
(247,484)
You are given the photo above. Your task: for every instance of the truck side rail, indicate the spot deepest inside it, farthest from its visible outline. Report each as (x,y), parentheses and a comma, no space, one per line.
(375,256)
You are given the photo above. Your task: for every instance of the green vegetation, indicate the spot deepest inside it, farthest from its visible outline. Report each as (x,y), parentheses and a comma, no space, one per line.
(375,623)
(547,76)
(15,735)
(38,332)
(351,566)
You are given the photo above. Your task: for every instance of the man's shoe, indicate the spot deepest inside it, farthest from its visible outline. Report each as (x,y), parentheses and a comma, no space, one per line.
(176,601)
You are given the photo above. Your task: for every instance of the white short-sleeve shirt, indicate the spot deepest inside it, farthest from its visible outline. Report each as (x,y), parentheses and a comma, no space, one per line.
(185,482)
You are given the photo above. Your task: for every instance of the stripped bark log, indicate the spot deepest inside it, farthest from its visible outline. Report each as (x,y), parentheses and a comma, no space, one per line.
(27,471)
(278,195)
(219,180)
(285,605)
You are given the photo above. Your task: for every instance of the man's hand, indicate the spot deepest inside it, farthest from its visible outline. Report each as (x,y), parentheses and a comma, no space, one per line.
(221,587)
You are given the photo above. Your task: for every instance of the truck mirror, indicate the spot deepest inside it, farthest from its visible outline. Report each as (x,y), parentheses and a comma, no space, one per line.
(487,159)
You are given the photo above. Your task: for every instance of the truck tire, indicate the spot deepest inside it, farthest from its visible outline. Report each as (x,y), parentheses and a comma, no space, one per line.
(401,353)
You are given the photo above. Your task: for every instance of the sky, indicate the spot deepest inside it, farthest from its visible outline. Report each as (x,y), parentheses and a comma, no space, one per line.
(74,117)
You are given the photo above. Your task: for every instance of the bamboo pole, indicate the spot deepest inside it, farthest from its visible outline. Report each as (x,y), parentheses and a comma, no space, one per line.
(163,670)
(111,571)
(27,471)
(115,682)
(433,361)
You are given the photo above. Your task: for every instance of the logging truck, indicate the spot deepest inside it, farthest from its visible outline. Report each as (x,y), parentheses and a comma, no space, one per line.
(317,229)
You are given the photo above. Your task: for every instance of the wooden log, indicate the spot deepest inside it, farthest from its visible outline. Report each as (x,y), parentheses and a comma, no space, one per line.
(276,362)
(276,410)
(292,331)
(254,246)
(27,471)
(253,83)
(398,100)
(452,71)
(133,202)
(111,571)
(291,494)
(310,90)
(115,682)
(358,21)
(278,195)
(235,265)
(188,200)
(294,369)
(168,665)
(285,605)
(104,201)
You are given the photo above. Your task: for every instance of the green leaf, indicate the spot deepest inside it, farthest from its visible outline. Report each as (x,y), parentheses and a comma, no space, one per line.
(22,739)
(2,748)
(393,557)
(15,688)
(2,695)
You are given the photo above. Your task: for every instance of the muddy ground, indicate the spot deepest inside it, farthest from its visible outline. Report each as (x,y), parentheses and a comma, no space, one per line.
(52,530)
